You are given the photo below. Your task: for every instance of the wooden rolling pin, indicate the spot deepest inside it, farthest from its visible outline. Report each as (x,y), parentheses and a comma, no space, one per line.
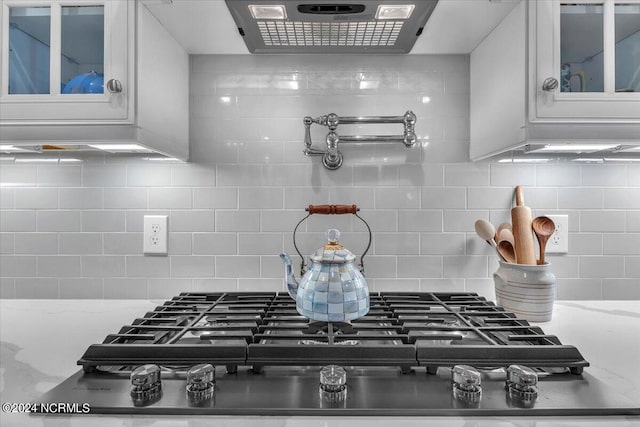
(522,234)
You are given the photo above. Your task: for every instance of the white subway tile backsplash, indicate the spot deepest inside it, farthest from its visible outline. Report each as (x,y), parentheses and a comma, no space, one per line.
(192,266)
(419,220)
(37,288)
(148,176)
(36,243)
(189,175)
(473,266)
(632,266)
(125,198)
(18,265)
(622,198)
(419,266)
(397,244)
(579,289)
(601,267)
(633,221)
(259,243)
(484,287)
(7,288)
(581,198)
(397,197)
(442,243)
(103,266)
(124,288)
(122,243)
(81,198)
(7,197)
(620,289)
(462,220)
(59,175)
(60,221)
(238,221)
(170,198)
(7,243)
(240,266)
(558,175)
(82,288)
(233,207)
(491,197)
(109,175)
(621,244)
(96,221)
(512,175)
(602,221)
(80,243)
(466,174)
(148,266)
(18,221)
(444,198)
(36,198)
(603,176)
(585,243)
(193,221)
(215,198)
(59,266)
(167,288)
(260,198)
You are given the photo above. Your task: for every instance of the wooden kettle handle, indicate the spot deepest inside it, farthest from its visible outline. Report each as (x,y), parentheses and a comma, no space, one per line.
(332,209)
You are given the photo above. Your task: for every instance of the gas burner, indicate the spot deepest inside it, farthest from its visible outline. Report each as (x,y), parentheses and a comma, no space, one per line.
(323,328)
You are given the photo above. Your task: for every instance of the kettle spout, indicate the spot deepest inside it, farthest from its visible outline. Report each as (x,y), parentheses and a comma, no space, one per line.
(292,283)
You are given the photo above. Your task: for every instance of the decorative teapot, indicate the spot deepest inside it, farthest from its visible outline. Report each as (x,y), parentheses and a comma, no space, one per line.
(333,289)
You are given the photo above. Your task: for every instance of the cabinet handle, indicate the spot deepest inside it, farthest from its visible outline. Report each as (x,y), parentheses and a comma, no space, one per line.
(550,84)
(114,86)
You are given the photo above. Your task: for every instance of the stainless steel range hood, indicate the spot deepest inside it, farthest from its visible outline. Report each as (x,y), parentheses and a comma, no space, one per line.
(304,26)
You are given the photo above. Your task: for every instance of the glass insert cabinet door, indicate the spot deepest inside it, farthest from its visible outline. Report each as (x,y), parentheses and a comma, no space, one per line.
(590,51)
(65,51)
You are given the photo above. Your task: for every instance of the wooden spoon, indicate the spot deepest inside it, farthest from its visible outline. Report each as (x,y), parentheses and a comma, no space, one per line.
(486,231)
(506,234)
(506,251)
(543,227)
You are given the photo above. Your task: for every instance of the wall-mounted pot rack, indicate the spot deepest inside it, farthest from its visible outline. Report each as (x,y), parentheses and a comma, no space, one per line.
(332,157)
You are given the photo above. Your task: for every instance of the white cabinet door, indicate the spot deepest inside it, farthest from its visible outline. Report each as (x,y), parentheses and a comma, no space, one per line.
(58,57)
(591,48)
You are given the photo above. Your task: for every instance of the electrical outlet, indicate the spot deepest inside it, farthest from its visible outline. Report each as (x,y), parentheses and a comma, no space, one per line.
(156,234)
(558,243)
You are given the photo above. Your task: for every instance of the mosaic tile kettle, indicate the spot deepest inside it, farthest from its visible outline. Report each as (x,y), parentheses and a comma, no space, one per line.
(333,289)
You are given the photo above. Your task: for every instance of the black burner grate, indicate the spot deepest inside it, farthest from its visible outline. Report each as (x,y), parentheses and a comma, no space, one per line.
(264,329)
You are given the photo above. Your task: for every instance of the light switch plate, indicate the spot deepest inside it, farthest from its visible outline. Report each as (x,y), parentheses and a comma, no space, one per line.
(558,243)
(156,234)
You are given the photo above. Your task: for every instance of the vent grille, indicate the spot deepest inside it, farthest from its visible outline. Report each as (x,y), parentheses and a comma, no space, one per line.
(302,33)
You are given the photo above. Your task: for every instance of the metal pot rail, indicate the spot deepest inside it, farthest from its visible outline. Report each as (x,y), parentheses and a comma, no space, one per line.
(332,157)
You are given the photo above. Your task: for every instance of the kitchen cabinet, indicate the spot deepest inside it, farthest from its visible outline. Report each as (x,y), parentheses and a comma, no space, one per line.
(525,89)
(86,71)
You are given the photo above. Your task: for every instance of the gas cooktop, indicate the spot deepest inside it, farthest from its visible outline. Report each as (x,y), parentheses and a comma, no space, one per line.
(412,354)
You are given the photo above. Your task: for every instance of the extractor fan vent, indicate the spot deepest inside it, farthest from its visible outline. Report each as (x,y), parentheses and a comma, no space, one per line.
(305,26)
(377,33)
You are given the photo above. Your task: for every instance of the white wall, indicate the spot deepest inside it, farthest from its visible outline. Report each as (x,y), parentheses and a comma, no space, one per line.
(74,230)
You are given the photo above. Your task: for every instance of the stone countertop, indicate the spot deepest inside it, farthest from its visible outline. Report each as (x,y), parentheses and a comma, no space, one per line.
(42,339)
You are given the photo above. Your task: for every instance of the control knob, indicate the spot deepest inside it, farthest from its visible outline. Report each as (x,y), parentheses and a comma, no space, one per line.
(522,383)
(201,382)
(466,383)
(333,384)
(146,384)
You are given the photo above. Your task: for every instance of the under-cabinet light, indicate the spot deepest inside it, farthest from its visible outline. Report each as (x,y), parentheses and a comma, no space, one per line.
(276,11)
(524,160)
(37,160)
(10,148)
(572,148)
(120,148)
(621,159)
(394,11)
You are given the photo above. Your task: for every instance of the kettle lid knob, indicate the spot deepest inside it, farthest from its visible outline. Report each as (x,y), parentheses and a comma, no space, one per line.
(333,236)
